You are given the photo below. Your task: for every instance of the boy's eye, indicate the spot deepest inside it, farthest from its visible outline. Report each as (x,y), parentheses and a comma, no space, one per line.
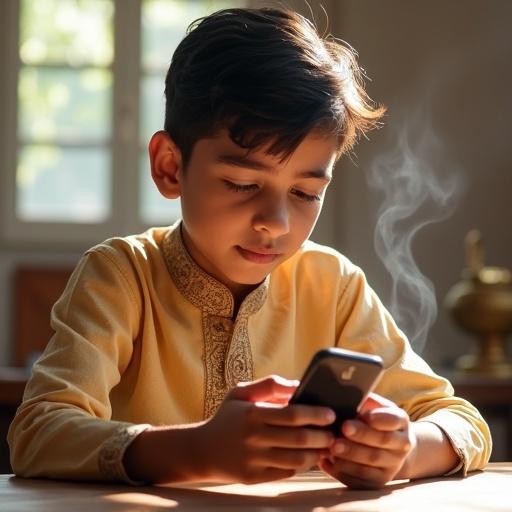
(306,197)
(240,188)
(237,187)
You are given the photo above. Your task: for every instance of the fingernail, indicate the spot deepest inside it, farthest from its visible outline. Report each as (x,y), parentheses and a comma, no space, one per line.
(349,428)
(330,416)
(339,448)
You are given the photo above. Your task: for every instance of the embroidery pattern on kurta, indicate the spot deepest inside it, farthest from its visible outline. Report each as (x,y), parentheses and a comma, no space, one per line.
(111,453)
(227,356)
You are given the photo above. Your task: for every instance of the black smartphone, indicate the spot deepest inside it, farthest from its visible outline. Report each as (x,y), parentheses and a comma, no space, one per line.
(339,379)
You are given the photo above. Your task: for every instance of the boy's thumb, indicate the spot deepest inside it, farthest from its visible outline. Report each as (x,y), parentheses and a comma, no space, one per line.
(268,389)
(375,401)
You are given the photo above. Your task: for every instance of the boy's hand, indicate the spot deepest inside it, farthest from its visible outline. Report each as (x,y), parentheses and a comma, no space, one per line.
(374,448)
(255,436)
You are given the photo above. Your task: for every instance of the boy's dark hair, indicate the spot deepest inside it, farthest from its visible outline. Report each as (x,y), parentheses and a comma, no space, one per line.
(268,77)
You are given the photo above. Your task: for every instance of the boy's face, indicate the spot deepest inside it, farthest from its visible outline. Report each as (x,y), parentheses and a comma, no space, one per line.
(245,213)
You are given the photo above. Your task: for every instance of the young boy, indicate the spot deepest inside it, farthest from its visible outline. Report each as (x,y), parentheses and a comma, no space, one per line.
(168,345)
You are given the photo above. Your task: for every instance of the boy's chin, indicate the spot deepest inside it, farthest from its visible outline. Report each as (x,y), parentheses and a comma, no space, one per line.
(253,280)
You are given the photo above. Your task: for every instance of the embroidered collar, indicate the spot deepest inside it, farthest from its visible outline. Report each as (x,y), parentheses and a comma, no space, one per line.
(201,289)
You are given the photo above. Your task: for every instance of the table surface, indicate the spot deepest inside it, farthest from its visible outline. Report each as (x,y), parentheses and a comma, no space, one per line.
(489,491)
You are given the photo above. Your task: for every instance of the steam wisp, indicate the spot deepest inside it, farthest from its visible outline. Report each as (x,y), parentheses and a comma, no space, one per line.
(415,195)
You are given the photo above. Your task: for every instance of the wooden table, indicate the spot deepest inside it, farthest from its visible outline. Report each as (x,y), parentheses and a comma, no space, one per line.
(489,491)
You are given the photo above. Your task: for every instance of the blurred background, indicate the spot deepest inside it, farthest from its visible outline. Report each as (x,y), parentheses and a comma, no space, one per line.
(81,92)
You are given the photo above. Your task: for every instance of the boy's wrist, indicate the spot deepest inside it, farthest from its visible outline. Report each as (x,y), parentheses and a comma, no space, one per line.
(164,455)
(431,455)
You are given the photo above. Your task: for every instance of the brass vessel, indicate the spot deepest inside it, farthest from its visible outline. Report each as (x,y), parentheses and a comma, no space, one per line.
(482,304)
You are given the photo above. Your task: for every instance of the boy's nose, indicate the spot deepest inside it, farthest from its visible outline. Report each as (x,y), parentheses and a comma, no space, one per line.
(273,217)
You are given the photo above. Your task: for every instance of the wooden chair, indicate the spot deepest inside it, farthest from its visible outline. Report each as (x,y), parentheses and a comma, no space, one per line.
(35,290)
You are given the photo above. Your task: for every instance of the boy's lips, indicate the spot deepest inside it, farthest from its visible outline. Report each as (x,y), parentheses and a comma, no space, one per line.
(258,255)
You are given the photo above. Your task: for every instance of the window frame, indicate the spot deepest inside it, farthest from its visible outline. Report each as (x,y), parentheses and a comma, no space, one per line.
(124,145)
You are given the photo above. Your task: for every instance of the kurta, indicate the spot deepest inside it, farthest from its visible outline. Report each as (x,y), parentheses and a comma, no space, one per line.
(143,336)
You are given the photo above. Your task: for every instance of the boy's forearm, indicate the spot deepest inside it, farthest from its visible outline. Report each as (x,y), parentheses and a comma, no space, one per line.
(163,454)
(433,454)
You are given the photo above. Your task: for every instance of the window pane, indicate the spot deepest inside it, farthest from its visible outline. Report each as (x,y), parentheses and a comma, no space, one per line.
(56,184)
(155,209)
(73,32)
(164,23)
(152,106)
(64,104)
(163,26)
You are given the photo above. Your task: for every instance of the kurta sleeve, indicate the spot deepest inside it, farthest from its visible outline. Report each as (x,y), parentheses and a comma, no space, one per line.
(364,325)
(63,428)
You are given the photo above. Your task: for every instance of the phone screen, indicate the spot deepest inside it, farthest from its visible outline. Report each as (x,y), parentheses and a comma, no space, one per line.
(339,379)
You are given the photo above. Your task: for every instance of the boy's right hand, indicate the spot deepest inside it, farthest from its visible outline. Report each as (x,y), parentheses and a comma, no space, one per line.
(256,437)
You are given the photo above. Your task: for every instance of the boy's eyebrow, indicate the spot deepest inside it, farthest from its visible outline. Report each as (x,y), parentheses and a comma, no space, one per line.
(247,162)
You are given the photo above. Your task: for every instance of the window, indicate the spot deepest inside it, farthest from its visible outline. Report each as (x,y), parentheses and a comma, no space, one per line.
(88,81)
(64,119)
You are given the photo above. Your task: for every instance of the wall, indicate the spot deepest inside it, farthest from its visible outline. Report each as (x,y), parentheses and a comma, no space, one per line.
(452,61)
(443,70)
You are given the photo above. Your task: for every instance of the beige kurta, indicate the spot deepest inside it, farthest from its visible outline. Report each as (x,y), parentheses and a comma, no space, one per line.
(144,336)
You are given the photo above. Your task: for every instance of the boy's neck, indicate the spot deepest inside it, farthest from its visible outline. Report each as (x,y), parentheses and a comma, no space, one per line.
(239,295)
(239,291)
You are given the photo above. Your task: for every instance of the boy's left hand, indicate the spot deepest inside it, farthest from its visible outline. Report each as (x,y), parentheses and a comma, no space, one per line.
(375,446)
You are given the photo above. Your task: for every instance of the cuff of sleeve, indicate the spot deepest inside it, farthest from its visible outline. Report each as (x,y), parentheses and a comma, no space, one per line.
(111,455)
(447,422)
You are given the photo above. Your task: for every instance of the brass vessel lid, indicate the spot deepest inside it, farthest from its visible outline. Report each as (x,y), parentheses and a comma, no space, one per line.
(475,269)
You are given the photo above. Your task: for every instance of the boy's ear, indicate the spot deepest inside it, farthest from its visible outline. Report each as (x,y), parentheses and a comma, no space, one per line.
(166,164)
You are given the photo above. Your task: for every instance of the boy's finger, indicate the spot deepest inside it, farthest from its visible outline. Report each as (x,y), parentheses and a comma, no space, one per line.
(358,432)
(356,476)
(374,401)
(268,389)
(292,437)
(297,415)
(386,419)
(368,455)
(299,460)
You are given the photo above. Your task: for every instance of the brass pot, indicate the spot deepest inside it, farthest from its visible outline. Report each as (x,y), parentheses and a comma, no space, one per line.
(482,304)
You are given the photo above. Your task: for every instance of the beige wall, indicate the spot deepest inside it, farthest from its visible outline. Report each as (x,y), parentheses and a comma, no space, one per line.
(444,69)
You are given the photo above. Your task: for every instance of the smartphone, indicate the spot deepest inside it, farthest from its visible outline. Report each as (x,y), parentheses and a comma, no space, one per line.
(339,379)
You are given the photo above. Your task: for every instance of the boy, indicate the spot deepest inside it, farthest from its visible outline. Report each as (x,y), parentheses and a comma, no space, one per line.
(167,345)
